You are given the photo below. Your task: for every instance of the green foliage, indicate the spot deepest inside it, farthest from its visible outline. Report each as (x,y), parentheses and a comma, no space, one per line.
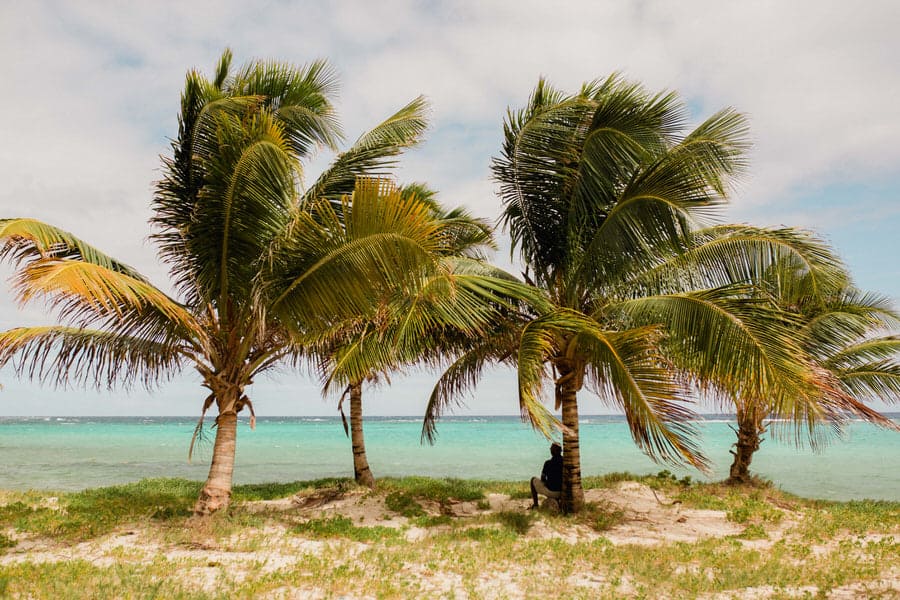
(754,531)
(490,534)
(754,510)
(438,490)
(6,542)
(520,522)
(742,505)
(602,516)
(665,477)
(345,528)
(93,512)
(432,520)
(81,580)
(606,481)
(273,491)
(404,504)
(856,546)
(857,517)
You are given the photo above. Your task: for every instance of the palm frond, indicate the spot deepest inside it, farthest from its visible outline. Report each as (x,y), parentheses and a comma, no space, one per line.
(373,154)
(84,292)
(67,355)
(729,254)
(728,337)
(537,165)
(246,201)
(875,380)
(460,377)
(627,369)
(26,240)
(845,321)
(864,350)
(300,97)
(565,161)
(326,273)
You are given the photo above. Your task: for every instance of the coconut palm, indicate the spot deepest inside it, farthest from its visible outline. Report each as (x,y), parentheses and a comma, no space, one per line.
(607,199)
(456,301)
(258,265)
(847,336)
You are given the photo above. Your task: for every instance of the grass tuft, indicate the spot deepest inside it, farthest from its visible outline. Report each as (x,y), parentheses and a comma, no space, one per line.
(273,491)
(343,527)
(438,490)
(516,521)
(7,542)
(404,504)
(94,512)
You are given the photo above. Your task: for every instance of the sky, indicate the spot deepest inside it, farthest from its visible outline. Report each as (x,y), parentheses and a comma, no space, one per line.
(90,95)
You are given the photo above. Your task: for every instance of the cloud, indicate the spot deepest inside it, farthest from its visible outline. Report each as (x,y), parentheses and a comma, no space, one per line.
(91,93)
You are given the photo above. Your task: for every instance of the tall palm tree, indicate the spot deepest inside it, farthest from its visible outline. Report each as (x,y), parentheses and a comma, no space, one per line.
(457,301)
(607,200)
(850,339)
(258,265)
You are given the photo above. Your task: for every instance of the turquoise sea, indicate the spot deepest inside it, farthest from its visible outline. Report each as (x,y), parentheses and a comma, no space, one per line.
(71,453)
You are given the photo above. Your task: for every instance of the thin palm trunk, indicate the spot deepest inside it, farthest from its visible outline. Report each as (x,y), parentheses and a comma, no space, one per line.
(216,492)
(749,431)
(572,499)
(361,470)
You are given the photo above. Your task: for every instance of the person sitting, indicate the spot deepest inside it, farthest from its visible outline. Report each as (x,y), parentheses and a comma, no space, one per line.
(550,482)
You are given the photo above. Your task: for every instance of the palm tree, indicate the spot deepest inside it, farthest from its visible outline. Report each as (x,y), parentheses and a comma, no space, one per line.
(458,301)
(847,336)
(258,265)
(605,197)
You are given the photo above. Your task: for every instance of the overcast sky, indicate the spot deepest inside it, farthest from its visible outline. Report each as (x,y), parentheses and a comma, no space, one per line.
(90,95)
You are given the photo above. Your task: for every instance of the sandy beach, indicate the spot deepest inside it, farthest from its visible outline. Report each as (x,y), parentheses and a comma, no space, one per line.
(348,542)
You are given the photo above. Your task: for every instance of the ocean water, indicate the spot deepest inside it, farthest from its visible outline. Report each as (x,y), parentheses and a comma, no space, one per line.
(72,453)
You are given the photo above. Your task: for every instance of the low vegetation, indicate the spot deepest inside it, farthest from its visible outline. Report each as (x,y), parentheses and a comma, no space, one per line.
(441,538)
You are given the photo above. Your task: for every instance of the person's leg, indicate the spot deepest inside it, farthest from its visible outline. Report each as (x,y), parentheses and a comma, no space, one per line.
(534,498)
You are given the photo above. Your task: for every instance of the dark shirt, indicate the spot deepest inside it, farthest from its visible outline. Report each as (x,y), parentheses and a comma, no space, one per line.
(551,474)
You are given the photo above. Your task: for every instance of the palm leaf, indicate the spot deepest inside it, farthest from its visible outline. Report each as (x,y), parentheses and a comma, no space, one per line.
(246,201)
(27,240)
(726,336)
(66,355)
(729,254)
(373,153)
(328,273)
(85,292)
(626,368)
(298,96)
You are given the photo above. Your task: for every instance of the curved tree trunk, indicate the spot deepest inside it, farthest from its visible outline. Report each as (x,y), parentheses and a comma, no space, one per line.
(749,431)
(361,470)
(572,498)
(216,492)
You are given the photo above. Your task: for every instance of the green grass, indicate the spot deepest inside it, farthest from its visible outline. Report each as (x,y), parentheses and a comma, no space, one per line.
(601,517)
(94,512)
(273,491)
(404,504)
(823,545)
(516,521)
(344,527)
(826,519)
(437,490)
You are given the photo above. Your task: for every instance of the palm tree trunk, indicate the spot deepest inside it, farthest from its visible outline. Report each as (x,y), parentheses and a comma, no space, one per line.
(572,498)
(750,428)
(361,470)
(216,492)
